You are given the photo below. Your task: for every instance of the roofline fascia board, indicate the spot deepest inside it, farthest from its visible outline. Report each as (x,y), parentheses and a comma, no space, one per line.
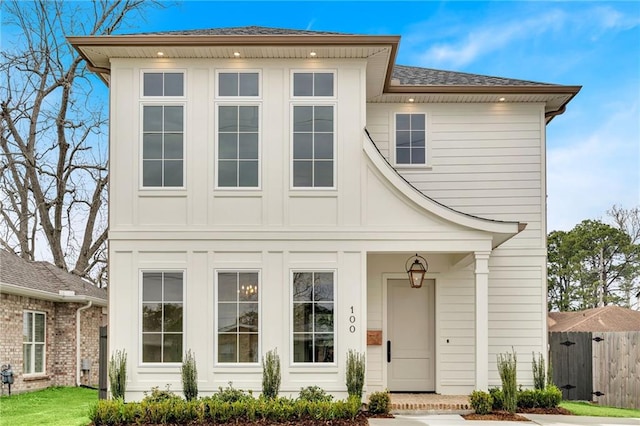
(52,297)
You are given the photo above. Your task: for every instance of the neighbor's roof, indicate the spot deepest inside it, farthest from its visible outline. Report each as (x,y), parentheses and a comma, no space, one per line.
(44,280)
(607,318)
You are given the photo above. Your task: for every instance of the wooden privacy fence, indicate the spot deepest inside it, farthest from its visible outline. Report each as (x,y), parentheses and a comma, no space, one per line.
(600,366)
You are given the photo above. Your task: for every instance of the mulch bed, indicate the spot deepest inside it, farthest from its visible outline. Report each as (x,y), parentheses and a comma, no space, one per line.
(506,416)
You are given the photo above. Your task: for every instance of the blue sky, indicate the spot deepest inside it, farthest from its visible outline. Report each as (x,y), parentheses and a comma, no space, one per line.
(593,149)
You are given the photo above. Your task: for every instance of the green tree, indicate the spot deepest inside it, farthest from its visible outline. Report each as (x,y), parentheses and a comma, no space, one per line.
(594,264)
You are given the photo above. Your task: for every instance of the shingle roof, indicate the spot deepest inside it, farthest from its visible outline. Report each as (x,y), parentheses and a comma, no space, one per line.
(416,76)
(239,31)
(607,318)
(44,276)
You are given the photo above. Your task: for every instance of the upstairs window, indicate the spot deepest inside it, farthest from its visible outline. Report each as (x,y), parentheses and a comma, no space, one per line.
(313,146)
(33,342)
(162,146)
(238,134)
(411,139)
(313,84)
(163,84)
(238,84)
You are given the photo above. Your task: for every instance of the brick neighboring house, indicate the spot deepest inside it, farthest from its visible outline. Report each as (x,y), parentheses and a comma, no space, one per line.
(603,319)
(43,310)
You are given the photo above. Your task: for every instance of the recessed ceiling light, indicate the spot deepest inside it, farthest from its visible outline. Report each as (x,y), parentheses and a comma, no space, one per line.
(411,100)
(312,53)
(160,53)
(236,54)
(502,99)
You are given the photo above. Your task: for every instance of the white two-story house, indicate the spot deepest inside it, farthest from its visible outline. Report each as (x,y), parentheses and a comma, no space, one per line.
(270,188)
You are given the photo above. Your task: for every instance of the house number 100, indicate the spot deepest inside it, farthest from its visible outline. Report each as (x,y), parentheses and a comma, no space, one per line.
(352,320)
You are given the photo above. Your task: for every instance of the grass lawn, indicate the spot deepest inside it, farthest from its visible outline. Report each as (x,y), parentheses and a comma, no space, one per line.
(587,409)
(61,406)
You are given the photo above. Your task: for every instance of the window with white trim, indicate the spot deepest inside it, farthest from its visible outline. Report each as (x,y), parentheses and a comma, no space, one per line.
(33,342)
(162,316)
(314,84)
(313,146)
(411,138)
(238,130)
(238,146)
(240,84)
(162,146)
(313,316)
(162,84)
(237,321)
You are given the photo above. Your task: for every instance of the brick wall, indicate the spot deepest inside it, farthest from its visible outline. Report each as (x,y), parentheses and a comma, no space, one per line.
(60,344)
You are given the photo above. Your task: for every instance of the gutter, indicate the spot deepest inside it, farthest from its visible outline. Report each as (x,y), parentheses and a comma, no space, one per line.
(46,295)
(80,309)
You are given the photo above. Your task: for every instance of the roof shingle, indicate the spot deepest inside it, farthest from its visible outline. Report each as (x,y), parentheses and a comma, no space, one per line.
(44,276)
(417,76)
(607,318)
(240,31)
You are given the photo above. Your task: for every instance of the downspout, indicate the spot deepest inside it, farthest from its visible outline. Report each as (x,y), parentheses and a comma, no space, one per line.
(80,309)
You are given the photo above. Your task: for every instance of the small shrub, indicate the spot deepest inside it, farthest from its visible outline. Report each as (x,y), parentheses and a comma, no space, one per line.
(158,395)
(355,373)
(498,398)
(271,374)
(232,395)
(189,377)
(507,366)
(550,397)
(314,394)
(379,403)
(118,374)
(539,372)
(528,398)
(481,402)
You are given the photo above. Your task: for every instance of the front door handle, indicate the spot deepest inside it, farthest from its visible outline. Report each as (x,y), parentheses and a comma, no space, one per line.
(388,350)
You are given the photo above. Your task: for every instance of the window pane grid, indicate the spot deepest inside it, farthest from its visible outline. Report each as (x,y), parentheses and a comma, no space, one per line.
(163,84)
(313,317)
(162,146)
(238,317)
(314,84)
(410,139)
(162,313)
(238,151)
(313,146)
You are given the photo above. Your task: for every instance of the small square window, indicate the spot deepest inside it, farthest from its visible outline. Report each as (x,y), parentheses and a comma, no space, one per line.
(313,84)
(163,84)
(238,84)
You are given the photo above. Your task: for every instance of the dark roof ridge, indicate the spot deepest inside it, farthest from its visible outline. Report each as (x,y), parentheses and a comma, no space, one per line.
(243,30)
(413,75)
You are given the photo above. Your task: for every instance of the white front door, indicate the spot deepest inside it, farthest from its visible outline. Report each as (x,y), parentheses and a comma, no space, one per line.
(410,336)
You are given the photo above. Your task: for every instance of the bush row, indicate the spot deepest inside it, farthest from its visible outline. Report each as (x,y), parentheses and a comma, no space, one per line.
(213,410)
(485,402)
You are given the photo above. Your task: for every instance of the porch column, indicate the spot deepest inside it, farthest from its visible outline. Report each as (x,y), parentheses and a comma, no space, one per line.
(482,319)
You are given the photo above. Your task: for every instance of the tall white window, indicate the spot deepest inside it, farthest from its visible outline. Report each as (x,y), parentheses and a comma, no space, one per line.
(313,146)
(238,130)
(163,130)
(33,342)
(162,145)
(238,322)
(162,315)
(411,139)
(313,316)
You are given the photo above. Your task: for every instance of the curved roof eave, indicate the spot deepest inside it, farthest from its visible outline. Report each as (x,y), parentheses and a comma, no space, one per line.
(501,230)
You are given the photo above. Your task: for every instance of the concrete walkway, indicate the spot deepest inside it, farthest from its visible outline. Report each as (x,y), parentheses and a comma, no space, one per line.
(535,419)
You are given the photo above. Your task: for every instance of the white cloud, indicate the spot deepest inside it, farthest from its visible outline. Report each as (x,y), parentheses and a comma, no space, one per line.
(590,173)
